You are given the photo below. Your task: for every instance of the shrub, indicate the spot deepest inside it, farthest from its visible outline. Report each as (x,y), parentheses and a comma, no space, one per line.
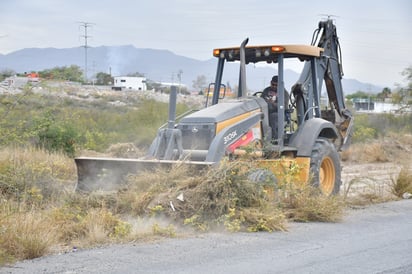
(371,126)
(403,184)
(363,134)
(59,137)
(68,124)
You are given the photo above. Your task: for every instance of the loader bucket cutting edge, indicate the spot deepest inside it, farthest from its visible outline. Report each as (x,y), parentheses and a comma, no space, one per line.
(108,174)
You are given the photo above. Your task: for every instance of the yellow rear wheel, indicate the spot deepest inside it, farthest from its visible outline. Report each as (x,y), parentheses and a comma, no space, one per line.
(325,167)
(327,175)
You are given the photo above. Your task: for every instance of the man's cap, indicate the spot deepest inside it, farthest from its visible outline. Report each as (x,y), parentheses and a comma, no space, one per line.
(275,79)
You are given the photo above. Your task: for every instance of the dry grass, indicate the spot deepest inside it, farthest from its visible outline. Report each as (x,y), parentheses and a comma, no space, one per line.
(391,148)
(31,181)
(403,184)
(372,152)
(26,235)
(306,204)
(31,175)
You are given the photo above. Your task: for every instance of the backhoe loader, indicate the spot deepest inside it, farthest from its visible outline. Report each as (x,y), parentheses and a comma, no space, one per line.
(307,134)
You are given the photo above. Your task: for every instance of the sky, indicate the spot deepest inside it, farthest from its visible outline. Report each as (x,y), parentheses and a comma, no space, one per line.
(375,35)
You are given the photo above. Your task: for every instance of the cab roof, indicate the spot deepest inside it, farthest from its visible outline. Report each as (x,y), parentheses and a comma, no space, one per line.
(268,53)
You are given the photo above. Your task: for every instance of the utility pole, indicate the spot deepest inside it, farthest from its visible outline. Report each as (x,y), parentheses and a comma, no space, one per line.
(85,25)
(179,76)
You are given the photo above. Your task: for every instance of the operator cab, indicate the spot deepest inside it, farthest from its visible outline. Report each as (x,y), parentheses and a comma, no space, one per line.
(271,55)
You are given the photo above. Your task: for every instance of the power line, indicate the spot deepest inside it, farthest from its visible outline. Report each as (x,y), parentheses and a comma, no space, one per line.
(85,25)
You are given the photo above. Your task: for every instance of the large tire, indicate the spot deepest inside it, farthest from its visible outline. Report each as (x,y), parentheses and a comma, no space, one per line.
(264,177)
(325,167)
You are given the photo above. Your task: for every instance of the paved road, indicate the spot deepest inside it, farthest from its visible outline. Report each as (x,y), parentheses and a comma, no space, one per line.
(376,239)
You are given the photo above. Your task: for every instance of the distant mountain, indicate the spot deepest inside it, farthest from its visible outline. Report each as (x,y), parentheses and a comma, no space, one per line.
(157,65)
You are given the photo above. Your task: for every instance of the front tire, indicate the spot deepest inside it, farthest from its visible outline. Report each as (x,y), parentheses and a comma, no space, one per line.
(325,167)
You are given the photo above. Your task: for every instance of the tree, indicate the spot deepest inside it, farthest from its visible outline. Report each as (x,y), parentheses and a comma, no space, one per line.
(200,83)
(407,91)
(384,93)
(104,79)
(73,73)
(408,75)
(6,73)
(404,94)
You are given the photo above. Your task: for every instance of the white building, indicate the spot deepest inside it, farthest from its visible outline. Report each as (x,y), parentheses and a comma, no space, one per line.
(391,108)
(129,83)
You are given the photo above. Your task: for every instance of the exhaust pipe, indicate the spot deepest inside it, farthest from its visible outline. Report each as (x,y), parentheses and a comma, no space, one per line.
(242,73)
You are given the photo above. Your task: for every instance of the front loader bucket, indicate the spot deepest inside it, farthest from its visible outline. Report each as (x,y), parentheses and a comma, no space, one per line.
(108,174)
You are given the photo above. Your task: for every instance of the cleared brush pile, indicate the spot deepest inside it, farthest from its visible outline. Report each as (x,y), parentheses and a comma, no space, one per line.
(221,198)
(41,214)
(225,197)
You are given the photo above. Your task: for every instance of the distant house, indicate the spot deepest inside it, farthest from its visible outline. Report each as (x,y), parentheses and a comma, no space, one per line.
(363,104)
(33,77)
(368,105)
(129,83)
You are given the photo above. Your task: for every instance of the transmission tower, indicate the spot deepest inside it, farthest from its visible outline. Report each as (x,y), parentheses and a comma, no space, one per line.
(85,25)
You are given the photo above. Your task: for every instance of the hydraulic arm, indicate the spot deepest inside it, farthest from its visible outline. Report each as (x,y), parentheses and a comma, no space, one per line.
(328,68)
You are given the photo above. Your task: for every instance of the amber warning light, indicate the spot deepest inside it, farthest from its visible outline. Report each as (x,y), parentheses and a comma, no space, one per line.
(277,49)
